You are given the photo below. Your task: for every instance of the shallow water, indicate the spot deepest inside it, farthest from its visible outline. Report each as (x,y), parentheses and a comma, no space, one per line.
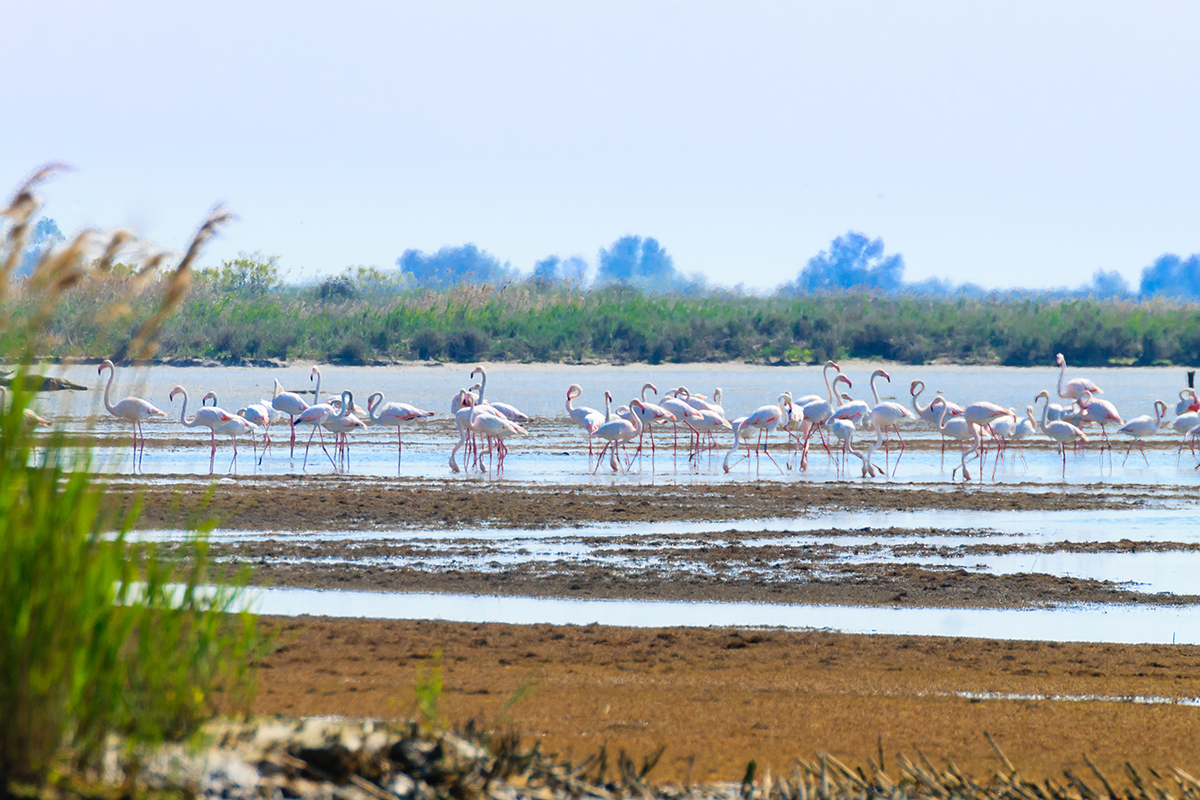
(1084,623)
(554,452)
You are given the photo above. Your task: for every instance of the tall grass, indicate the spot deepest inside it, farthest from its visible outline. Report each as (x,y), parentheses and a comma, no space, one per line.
(98,635)
(535,322)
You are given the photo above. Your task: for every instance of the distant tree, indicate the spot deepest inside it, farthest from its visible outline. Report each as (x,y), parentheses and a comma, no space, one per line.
(554,269)
(248,274)
(1108,284)
(451,265)
(1172,276)
(852,261)
(44,236)
(638,262)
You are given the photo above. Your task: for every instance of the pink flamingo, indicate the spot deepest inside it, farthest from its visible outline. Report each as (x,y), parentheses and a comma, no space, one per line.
(618,431)
(651,414)
(684,414)
(496,429)
(1060,431)
(132,409)
(209,417)
(927,413)
(393,414)
(961,430)
(817,412)
(316,415)
(511,413)
(885,415)
(1101,412)
(766,419)
(262,414)
(1141,427)
(1075,387)
(291,404)
(237,425)
(585,417)
(341,424)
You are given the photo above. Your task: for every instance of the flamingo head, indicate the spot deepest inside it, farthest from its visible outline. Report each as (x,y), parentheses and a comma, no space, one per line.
(1084,400)
(682,390)
(175,391)
(651,387)
(476,370)
(106,364)
(883,375)
(312,376)
(834,364)
(937,401)
(373,399)
(913,390)
(608,395)
(574,390)
(843,379)
(1059,361)
(1043,394)
(638,403)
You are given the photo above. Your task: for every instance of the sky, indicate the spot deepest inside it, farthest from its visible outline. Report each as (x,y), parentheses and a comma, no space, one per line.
(1014,144)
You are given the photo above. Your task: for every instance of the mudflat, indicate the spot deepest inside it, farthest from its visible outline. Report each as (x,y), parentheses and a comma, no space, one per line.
(716,698)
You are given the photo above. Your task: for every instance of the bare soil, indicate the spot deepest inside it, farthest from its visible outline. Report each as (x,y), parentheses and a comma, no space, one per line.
(717,698)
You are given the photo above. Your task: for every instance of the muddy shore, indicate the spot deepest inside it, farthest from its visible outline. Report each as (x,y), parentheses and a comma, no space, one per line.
(717,698)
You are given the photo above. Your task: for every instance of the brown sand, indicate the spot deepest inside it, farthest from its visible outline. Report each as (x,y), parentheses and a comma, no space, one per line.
(723,697)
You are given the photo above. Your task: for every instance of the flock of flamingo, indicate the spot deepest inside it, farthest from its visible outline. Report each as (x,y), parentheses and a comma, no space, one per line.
(485,425)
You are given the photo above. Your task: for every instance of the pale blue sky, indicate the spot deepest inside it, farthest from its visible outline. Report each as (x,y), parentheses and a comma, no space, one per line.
(1011,144)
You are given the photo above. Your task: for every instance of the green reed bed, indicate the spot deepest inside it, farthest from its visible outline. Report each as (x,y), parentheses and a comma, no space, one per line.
(98,635)
(243,310)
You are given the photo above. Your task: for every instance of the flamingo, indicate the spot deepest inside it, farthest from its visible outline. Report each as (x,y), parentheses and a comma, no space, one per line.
(341,424)
(29,417)
(843,430)
(848,408)
(496,428)
(209,417)
(1074,387)
(262,414)
(316,415)
(618,431)
(511,413)
(766,419)
(233,427)
(1188,402)
(699,403)
(683,413)
(1003,429)
(291,404)
(1059,430)
(1141,427)
(962,430)
(132,409)
(394,414)
(1187,412)
(817,412)
(982,414)
(1101,412)
(884,415)
(585,417)
(1025,427)
(462,421)
(651,414)
(927,413)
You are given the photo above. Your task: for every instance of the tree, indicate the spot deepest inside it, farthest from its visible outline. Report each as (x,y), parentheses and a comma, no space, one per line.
(1172,276)
(45,235)
(248,274)
(554,269)
(638,262)
(852,262)
(1108,284)
(451,265)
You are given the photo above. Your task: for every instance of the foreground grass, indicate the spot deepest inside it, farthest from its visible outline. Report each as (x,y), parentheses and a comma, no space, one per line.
(526,322)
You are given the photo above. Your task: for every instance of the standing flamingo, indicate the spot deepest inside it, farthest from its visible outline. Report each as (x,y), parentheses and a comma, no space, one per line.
(132,409)
(511,413)
(650,415)
(262,414)
(927,413)
(316,415)
(817,412)
(618,431)
(341,424)
(209,417)
(394,414)
(496,429)
(585,417)
(1059,430)
(885,415)
(1075,387)
(962,430)
(1101,412)
(237,425)
(291,404)
(765,419)
(683,413)
(1141,427)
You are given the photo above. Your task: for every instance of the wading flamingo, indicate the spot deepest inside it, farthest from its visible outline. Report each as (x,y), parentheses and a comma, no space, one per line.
(618,431)
(511,413)
(1101,412)
(764,419)
(1059,430)
(1074,387)
(884,415)
(928,414)
(1141,427)
(134,410)
(209,417)
(395,415)
(237,425)
(291,404)
(584,416)
(316,415)
(961,430)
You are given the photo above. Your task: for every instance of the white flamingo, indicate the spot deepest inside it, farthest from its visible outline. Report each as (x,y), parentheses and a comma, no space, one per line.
(651,414)
(511,413)
(961,430)
(1075,387)
(584,416)
(927,413)
(1141,427)
(1101,412)
(264,415)
(395,415)
(237,425)
(291,404)
(765,419)
(209,417)
(884,415)
(1059,430)
(315,415)
(134,410)
(617,431)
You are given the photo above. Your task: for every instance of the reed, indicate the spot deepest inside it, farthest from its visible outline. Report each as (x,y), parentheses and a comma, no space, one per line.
(98,635)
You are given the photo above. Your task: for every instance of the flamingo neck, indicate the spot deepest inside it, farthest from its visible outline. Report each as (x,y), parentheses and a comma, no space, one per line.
(828,388)
(1062,373)
(874,391)
(183,411)
(921,412)
(112,373)
(375,410)
(482,382)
